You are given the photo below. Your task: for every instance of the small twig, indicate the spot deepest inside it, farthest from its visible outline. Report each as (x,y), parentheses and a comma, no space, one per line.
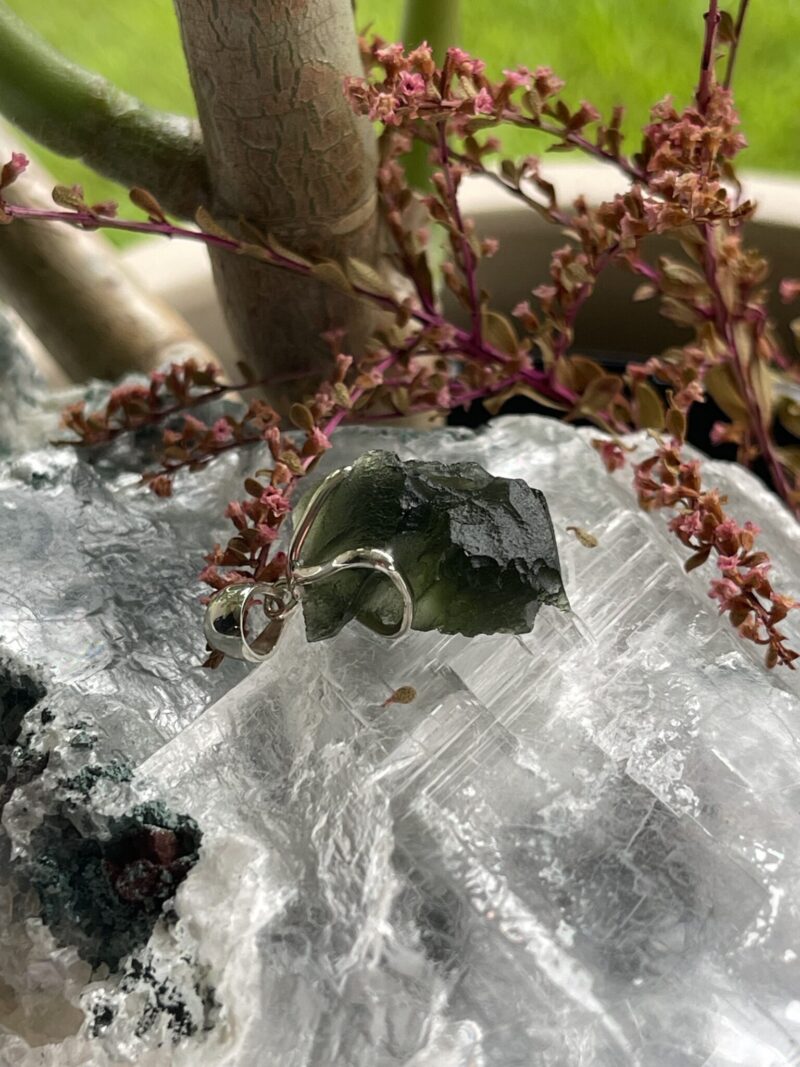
(706,82)
(737,36)
(468,261)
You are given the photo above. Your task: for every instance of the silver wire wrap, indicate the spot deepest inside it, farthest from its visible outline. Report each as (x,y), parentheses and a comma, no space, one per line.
(226,613)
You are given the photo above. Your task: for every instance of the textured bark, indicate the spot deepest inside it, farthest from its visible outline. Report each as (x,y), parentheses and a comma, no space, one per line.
(285,152)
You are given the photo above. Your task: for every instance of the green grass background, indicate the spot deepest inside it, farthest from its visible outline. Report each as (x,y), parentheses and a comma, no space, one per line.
(631,52)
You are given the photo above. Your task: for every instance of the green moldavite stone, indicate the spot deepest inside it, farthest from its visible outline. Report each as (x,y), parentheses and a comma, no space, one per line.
(478,552)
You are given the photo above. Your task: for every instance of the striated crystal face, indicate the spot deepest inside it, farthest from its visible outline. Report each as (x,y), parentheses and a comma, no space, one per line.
(577,846)
(477,552)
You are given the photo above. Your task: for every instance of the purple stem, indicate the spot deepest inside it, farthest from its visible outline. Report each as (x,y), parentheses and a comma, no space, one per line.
(706,83)
(737,36)
(468,260)
(725,329)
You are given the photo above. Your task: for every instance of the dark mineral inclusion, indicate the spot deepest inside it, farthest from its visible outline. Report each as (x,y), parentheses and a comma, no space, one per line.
(478,551)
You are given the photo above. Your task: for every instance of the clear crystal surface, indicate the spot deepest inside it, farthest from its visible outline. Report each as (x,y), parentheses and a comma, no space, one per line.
(576,847)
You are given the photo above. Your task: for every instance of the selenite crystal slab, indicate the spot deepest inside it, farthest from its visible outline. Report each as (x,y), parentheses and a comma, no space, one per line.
(478,552)
(574,847)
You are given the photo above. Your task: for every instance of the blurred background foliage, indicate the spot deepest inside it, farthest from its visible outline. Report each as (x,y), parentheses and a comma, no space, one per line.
(609,52)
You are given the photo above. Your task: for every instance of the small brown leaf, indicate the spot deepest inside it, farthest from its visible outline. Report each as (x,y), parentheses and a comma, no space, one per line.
(213,660)
(588,540)
(70,196)
(761,378)
(209,225)
(676,423)
(644,292)
(698,559)
(788,413)
(253,487)
(724,390)
(598,394)
(275,246)
(400,399)
(406,694)
(726,28)
(582,371)
(493,404)
(292,461)
(499,332)
(147,202)
(649,406)
(790,457)
(681,273)
(247,248)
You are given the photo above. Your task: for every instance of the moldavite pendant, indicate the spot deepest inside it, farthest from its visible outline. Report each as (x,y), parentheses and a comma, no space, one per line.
(395,544)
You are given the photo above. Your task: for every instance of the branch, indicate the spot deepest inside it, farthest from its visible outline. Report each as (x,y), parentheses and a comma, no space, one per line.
(81,115)
(73,292)
(706,82)
(737,36)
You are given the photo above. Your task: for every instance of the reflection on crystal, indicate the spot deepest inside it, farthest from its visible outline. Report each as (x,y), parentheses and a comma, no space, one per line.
(575,846)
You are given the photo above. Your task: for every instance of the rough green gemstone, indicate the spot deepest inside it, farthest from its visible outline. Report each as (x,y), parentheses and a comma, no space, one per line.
(478,552)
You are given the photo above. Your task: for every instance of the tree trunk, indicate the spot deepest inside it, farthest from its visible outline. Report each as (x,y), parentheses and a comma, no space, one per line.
(286,152)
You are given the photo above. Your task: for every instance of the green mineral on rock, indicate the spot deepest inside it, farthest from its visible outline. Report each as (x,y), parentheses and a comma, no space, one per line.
(478,552)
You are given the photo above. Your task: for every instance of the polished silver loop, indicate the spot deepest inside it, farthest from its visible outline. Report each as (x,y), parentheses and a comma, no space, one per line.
(370,559)
(225,623)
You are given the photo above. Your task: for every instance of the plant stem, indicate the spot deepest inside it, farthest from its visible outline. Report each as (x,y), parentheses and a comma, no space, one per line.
(464,342)
(79,114)
(706,82)
(739,366)
(467,256)
(152,418)
(737,36)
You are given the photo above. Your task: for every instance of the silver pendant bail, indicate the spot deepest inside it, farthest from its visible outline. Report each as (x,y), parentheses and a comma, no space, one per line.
(225,624)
